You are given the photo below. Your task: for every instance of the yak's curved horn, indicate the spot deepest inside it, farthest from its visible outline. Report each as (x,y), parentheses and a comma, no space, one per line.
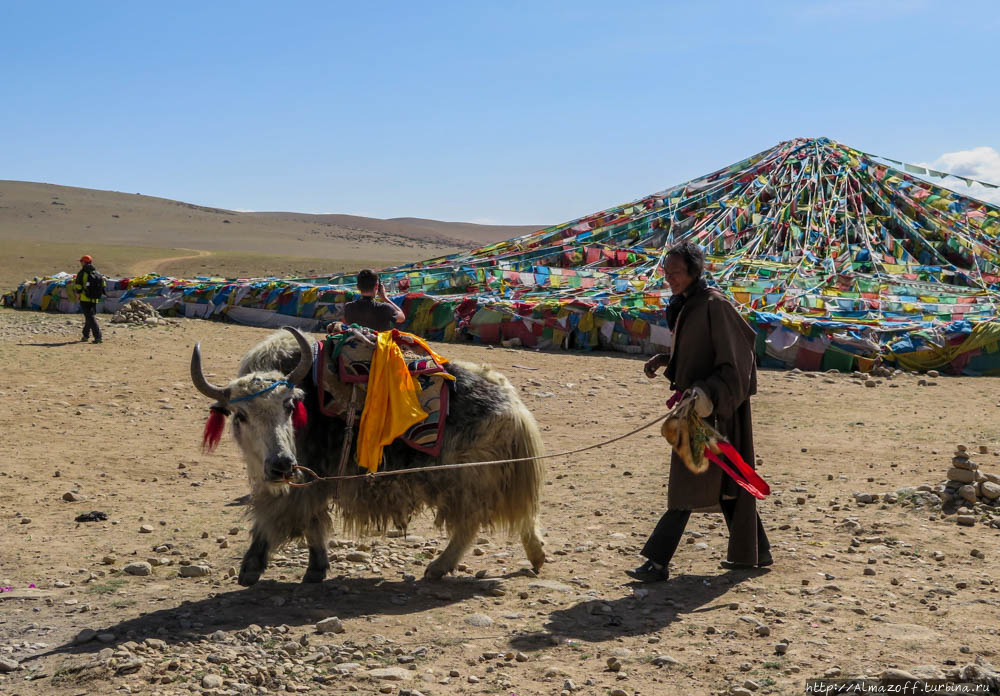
(202,384)
(305,356)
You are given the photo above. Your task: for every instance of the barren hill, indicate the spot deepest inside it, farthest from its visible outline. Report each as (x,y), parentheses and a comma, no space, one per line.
(45,227)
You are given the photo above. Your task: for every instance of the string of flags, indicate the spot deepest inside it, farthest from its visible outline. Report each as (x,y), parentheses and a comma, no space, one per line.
(838,259)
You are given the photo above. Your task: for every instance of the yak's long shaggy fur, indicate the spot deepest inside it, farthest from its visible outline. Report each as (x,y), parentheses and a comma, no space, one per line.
(487,421)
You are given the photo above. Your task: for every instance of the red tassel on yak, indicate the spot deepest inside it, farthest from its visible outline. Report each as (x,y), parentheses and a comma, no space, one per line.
(214,426)
(299,417)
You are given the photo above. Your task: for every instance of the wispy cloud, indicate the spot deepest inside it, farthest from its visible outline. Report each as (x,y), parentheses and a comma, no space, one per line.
(978,163)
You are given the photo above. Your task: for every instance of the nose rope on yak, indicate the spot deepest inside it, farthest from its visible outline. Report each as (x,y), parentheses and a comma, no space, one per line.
(744,475)
(465,465)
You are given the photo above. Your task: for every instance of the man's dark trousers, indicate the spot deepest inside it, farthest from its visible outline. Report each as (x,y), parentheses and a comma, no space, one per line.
(666,536)
(89,310)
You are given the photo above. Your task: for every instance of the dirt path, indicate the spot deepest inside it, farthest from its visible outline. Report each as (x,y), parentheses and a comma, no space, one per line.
(149,265)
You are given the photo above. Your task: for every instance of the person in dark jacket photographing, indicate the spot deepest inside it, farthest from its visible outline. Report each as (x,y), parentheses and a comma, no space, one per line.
(90,286)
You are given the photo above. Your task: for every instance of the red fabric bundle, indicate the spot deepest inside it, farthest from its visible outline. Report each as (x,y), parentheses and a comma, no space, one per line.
(299,417)
(214,426)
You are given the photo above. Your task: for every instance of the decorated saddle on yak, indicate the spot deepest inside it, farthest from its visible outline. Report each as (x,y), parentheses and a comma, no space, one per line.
(394,379)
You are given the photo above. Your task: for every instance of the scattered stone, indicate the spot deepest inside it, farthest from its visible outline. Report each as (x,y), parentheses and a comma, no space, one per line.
(138,568)
(990,490)
(211,681)
(391,674)
(663,660)
(781,649)
(195,571)
(966,520)
(330,625)
(892,673)
(146,529)
(71,497)
(479,620)
(8,665)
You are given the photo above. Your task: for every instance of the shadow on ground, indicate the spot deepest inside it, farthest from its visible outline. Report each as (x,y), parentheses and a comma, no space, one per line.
(54,345)
(600,620)
(272,603)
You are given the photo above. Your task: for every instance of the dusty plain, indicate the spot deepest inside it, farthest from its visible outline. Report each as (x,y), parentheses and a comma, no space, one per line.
(117,426)
(856,588)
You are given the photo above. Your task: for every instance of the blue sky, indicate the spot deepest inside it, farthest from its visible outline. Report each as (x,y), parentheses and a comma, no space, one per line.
(510,112)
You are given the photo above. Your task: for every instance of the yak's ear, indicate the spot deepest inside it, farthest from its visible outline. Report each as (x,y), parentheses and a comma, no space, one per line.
(219,407)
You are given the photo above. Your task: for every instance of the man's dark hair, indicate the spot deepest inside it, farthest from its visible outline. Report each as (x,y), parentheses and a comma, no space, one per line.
(367,280)
(692,256)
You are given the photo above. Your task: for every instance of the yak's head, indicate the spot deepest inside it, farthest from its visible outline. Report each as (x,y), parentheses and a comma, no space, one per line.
(266,408)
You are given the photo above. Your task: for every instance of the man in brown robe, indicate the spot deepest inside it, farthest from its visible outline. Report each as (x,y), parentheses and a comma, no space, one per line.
(712,360)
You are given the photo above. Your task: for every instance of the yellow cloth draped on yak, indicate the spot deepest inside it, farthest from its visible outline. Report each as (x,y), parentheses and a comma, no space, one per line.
(392,405)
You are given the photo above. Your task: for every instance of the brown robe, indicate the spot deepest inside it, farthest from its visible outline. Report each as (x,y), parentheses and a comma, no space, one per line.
(714,350)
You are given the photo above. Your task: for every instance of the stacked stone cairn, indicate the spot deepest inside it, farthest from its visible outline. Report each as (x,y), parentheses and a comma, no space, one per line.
(970,489)
(971,494)
(137,312)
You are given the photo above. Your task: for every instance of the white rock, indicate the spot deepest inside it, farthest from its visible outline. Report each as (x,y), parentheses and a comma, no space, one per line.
(391,674)
(211,681)
(479,620)
(661,660)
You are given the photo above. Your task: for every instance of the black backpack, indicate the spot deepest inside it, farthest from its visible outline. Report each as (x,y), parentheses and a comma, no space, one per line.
(95,285)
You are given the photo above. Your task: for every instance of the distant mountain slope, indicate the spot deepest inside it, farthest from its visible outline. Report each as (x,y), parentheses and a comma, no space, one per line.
(48,213)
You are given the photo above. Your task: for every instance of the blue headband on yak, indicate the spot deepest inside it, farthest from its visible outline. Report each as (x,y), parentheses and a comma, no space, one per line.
(263,391)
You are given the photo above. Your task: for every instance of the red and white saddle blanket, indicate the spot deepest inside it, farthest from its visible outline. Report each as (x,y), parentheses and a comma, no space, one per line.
(345,357)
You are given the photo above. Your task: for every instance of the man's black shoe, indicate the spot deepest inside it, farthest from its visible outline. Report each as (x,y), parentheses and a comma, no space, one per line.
(649,572)
(97,340)
(762,562)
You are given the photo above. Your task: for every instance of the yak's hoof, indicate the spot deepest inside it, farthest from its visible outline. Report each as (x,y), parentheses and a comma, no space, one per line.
(247,578)
(433,572)
(314,575)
